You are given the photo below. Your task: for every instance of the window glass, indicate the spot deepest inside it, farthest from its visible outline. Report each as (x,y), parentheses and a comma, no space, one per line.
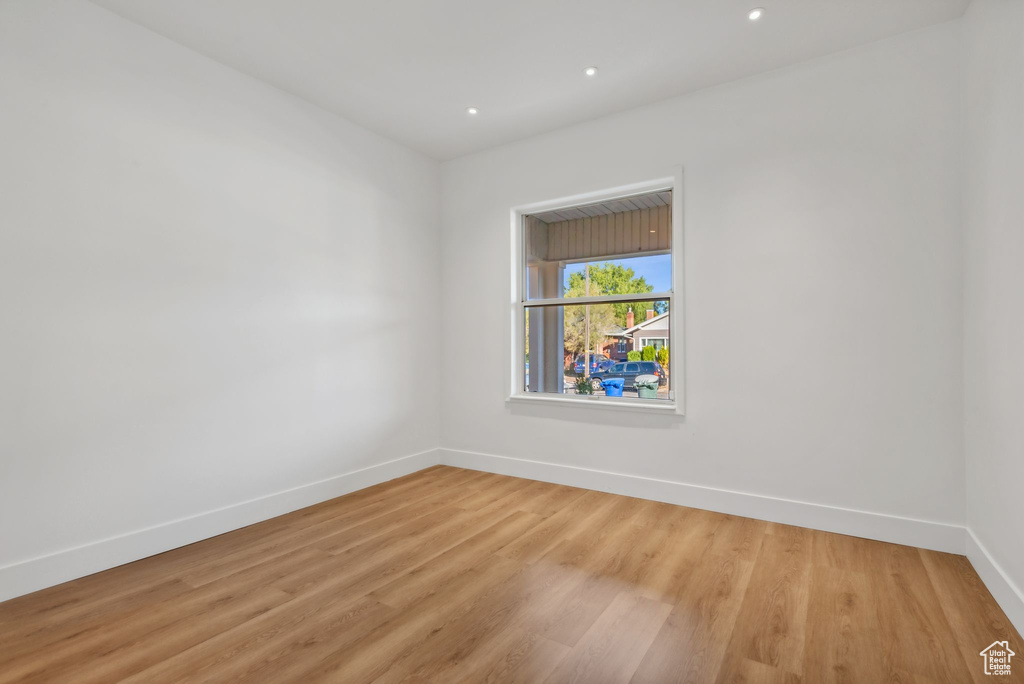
(615,258)
(617,247)
(557,363)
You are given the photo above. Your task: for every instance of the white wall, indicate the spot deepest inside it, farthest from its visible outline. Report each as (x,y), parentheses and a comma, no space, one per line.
(207,286)
(994,291)
(823,285)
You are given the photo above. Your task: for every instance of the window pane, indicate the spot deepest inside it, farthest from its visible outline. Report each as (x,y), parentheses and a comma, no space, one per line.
(615,247)
(574,349)
(656,342)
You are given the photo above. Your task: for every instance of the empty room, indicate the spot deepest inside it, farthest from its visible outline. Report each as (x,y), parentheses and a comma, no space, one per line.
(544,341)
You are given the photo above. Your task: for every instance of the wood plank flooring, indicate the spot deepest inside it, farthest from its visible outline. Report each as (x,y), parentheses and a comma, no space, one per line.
(453,575)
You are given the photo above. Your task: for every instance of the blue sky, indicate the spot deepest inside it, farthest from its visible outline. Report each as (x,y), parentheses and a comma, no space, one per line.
(656,269)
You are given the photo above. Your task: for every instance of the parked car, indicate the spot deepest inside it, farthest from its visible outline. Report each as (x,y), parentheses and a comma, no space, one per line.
(629,370)
(598,363)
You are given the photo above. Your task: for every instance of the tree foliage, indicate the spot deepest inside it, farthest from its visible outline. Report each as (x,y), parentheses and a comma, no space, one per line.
(634,356)
(602,318)
(663,356)
(608,278)
(649,353)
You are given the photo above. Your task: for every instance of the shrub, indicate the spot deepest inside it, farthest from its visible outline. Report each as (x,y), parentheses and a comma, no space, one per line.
(649,353)
(583,385)
(663,356)
(634,356)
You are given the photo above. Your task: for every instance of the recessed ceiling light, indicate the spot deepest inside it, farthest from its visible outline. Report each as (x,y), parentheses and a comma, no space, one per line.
(755,13)
(472,111)
(590,71)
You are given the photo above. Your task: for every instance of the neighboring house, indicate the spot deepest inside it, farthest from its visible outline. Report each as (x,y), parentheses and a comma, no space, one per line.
(619,341)
(653,332)
(616,345)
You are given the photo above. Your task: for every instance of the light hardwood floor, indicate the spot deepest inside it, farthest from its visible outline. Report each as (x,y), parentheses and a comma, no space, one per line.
(453,575)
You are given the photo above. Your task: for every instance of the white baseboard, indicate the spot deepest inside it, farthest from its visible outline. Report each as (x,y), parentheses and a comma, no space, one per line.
(1007,594)
(38,573)
(898,530)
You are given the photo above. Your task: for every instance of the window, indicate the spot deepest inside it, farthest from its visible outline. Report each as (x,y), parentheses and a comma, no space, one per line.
(591,278)
(656,342)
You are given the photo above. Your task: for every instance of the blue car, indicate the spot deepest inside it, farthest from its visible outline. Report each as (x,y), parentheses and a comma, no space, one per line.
(598,363)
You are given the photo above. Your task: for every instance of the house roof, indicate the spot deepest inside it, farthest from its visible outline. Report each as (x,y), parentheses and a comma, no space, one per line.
(643,324)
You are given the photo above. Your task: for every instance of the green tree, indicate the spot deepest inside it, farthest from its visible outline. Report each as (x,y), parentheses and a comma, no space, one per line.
(649,353)
(601,320)
(634,356)
(607,278)
(663,356)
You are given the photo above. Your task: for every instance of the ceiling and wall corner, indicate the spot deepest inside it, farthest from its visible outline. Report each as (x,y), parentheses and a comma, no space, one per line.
(409,69)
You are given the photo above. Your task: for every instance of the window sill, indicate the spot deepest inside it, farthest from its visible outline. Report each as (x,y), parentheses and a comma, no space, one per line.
(658,406)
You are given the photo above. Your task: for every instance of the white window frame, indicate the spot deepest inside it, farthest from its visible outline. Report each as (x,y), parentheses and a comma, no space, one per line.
(664,340)
(515,392)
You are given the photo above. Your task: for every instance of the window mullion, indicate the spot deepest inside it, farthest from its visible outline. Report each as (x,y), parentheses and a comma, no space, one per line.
(601,299)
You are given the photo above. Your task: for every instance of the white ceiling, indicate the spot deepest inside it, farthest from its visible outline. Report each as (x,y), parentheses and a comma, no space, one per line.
(409,68)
